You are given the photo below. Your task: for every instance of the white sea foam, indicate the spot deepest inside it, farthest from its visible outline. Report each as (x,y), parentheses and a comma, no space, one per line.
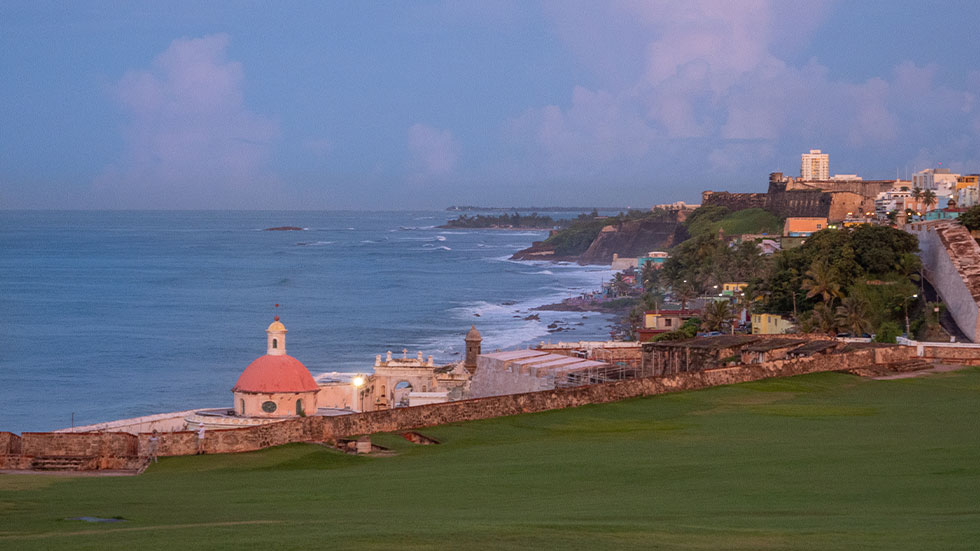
(440,238)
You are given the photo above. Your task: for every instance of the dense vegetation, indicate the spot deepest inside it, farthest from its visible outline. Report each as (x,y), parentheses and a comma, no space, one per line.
(819,462)
(971,218)
(515,220)
(859,280)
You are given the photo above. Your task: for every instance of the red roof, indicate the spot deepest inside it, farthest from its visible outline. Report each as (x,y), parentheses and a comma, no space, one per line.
(270,374)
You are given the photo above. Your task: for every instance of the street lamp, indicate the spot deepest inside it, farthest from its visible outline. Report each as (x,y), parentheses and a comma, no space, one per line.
(906,305)
(357,382)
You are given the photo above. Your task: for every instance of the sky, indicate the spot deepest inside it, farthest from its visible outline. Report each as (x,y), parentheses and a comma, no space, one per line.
(422,105)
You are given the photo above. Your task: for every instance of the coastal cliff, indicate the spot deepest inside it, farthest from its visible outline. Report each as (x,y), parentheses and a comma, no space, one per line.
(630,238)
(633,239)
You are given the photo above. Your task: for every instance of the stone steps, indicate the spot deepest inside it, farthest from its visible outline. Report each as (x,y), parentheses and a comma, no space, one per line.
(59,463)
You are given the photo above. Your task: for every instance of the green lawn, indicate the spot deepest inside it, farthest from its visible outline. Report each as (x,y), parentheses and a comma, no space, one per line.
(825,461)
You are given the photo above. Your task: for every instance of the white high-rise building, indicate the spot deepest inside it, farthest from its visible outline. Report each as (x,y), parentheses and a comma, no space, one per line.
(815,166)
(939,180)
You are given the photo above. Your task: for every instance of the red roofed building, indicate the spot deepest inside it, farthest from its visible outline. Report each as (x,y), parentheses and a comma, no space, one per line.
(275,385)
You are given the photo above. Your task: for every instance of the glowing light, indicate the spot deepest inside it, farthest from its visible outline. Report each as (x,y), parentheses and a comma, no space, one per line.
(358,381)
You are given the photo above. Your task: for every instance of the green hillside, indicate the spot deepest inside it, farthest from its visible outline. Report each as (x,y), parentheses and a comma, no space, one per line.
(708,220)
(825,461)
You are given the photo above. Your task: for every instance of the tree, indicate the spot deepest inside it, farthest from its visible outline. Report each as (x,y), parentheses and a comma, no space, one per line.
(917,195)
(852,315)
(928,198)
(685,292)
(717,315)
(650,276)
(821,281)
(619,285)
(971,218)
(823,320)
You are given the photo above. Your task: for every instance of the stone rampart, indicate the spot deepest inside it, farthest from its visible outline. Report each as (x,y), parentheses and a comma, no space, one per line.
(122,450)
(81,444)
(9,443)
(951,262)
(733,201)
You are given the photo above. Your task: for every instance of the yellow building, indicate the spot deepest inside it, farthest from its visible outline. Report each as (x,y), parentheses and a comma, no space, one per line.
(770,324)
(733,287)
(803,227)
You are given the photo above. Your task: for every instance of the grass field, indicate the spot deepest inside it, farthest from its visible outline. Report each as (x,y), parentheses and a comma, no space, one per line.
(825,461)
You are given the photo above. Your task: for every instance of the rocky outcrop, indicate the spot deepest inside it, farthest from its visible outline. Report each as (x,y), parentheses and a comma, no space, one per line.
(633,239)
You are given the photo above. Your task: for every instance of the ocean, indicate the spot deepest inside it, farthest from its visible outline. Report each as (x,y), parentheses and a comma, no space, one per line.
(110,315)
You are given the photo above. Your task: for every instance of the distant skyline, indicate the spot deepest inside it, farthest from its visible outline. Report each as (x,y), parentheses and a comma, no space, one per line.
(422,105)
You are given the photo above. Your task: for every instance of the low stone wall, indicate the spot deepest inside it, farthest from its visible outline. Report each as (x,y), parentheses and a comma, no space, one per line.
(91,444)
(962,356)
(122,450)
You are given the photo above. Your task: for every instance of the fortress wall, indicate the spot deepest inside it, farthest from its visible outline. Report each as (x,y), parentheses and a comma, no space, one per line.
(10,443)
(951,262)
(734,201)
(122,450)
(82,444)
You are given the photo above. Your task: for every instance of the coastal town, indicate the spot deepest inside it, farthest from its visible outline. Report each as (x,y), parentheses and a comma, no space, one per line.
(630,274)
(819,273)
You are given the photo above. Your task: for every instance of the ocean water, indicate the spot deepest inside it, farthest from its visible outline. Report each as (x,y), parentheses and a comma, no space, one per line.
(109,315)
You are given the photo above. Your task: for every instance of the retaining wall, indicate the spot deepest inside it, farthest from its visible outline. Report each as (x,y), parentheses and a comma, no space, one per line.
(951,262)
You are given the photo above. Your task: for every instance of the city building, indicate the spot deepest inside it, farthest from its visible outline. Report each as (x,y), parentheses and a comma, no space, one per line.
(770,324)
(815,165)
(967,192)
(939,180)
(733,288)
(657,258)
(803,226)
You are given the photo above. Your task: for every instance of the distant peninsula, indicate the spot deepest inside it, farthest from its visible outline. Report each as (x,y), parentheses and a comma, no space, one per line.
(515,221)
(284,228)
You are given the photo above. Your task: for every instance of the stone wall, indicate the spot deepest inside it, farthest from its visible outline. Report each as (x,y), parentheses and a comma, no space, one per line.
(80,444)
(9,443)
(951,262)
(734,201)
(121,450)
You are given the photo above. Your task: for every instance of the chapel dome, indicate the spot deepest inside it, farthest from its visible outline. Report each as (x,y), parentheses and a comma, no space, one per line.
(269,374)
(276,326)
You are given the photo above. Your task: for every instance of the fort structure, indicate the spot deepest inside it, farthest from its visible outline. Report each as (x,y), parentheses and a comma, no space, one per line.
(951,263)
(772,357)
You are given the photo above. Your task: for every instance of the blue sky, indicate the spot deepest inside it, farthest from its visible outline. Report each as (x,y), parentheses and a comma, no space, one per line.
(390,105)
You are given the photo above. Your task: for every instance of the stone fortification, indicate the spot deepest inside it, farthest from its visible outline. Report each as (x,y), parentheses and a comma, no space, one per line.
(125,451)
(733,201)
(951,262)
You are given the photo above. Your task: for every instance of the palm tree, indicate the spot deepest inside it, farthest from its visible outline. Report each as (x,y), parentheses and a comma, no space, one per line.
(650,276)
(852,315)
(619,285)
(928,198)
(685,292)
(822,318)
(820,281)
(910,266)
(717,315)
(917,195)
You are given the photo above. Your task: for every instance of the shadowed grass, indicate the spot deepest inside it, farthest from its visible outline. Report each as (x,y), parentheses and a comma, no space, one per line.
(825,461)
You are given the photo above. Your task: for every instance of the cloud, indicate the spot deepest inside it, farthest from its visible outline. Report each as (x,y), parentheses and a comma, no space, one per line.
(714,94)
(190,141)
(433,151)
